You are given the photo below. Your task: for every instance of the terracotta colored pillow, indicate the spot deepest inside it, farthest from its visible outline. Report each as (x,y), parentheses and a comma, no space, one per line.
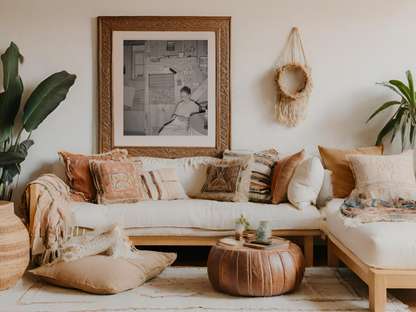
(384,177)
(336,160)
(104,275)
(283,174)
(228,180)
(118,182)
(77,170)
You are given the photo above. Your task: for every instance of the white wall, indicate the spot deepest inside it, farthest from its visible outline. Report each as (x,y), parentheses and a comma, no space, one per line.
(350,46)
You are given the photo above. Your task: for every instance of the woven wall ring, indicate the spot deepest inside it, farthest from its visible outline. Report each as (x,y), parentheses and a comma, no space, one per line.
(303,90)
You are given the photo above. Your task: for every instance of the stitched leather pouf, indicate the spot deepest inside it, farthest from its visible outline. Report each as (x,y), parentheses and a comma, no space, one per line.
(255,273)
(14,246)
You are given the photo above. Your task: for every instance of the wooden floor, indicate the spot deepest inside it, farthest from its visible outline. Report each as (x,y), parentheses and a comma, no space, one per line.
(197,256)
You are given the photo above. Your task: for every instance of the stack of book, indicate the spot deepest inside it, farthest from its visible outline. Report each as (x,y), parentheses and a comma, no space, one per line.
(274,243)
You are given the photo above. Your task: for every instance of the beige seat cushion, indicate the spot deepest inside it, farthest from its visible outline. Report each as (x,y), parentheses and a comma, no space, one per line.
(336,160)
(103,275)
(195,213)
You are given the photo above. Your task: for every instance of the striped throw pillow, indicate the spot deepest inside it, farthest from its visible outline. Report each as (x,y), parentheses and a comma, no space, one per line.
(262,172)
(167,184)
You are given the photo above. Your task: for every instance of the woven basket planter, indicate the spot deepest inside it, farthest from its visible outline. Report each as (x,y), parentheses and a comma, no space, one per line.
(14,246)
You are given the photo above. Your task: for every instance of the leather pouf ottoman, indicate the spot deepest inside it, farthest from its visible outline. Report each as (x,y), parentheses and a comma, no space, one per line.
(255,273)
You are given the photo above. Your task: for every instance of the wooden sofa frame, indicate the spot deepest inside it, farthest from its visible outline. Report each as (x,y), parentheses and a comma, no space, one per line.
(192,240)
(378,280)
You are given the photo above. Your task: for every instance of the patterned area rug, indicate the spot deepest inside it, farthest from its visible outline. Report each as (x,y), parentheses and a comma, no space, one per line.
(188,289)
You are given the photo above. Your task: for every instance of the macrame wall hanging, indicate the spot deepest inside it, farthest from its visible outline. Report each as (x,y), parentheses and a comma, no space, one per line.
(291,105)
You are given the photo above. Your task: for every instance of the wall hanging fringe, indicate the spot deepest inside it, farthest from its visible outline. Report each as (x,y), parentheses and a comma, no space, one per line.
(291,106)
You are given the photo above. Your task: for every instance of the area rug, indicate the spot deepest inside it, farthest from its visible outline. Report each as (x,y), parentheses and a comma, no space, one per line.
(188,289)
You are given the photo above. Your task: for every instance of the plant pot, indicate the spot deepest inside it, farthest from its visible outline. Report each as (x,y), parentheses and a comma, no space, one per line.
(239,229)
(14,246)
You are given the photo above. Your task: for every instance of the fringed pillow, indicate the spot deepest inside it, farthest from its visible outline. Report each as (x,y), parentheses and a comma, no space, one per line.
(77,170)
(384,177)
(118,182)
(262,172)
(228,180)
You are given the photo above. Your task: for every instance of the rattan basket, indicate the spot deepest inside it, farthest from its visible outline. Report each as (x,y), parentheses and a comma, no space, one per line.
(14,246)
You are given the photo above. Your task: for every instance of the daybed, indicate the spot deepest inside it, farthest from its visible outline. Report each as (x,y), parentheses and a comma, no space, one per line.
(382,254)
(191,221)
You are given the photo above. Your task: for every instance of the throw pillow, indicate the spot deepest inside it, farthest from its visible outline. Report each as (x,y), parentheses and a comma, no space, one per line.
(384,177)
(283,174)
(336,160)
(151,186)
(326,193)
(104,275)
(118,182)
(228,180)
(167,184)
(77,169)
(306,183)
(262,173)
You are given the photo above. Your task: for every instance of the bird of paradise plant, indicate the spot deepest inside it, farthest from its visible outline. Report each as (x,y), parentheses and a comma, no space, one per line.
(43,100)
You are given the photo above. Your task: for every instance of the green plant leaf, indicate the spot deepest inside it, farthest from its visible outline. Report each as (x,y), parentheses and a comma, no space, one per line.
(383,107)
(387,128)
(403,132)
(10,158)
(46,98)
(10,172)
(403,89)
(13,88)
(398,121)
(411,88)
(412,135)
(384,84)
(23,148)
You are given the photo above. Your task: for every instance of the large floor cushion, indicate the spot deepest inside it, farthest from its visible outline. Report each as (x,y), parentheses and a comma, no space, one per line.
(383,245)
(195,213)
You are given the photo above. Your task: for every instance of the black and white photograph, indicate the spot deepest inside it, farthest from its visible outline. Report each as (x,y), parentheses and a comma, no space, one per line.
(165,88)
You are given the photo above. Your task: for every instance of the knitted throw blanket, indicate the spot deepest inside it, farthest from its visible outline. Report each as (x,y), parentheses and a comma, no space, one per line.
(356,211)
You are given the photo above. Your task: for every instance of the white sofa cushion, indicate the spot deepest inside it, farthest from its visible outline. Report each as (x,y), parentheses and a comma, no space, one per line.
(306,183)
(195,213)
(383,245)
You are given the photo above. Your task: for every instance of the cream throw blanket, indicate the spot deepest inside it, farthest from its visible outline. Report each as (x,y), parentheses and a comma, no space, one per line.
(52,226)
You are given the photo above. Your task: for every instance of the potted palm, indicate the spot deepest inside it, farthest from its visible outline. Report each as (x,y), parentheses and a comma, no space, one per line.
(404,119)
(14,149)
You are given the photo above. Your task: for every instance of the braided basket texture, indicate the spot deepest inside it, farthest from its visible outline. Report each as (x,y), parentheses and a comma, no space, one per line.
(14,246)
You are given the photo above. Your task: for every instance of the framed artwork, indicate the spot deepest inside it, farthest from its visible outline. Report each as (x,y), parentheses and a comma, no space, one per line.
(177,101)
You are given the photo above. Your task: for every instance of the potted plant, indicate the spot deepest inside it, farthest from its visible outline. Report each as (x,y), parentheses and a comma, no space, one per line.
(13,151)
(404,119)
(241,225)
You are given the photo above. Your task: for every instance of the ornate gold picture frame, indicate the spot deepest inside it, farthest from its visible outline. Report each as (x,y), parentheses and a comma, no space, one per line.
(164,85)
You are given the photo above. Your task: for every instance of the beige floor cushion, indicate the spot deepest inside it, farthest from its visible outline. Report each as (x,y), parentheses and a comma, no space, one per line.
(103,275)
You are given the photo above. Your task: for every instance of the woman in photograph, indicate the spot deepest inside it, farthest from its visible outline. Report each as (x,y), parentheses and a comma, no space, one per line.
(179,124)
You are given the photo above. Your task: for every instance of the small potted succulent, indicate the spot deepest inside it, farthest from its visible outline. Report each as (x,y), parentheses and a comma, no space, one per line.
(241,225)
